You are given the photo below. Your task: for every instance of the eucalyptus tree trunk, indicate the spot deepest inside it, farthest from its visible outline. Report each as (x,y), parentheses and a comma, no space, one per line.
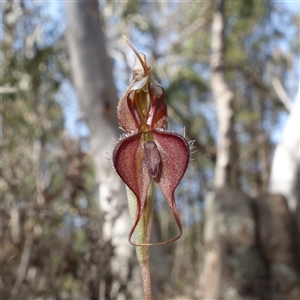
(212,277)
(285,172)
(93,78)
(223,96)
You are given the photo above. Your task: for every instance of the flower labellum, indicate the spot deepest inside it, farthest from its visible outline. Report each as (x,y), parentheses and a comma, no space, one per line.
(148,152)
(152,158)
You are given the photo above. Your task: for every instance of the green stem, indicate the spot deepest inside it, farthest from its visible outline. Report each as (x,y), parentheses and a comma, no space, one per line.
(142,235)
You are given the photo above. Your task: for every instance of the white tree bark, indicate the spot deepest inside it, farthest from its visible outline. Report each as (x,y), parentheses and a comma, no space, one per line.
(93,78)
(285,172)
(223,97)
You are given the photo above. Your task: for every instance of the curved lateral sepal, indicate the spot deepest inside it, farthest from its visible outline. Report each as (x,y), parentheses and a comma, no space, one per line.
(128,162)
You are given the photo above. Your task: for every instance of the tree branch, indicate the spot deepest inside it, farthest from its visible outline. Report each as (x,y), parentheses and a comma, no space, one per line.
(283,97)
(21,273)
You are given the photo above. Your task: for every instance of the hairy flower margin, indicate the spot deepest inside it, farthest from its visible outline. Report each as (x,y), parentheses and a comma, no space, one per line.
(148,152)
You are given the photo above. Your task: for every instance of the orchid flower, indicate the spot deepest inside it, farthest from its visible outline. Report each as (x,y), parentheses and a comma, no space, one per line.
(148,152)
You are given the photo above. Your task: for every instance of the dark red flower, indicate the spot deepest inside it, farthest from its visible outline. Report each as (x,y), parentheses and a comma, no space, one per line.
(148,152)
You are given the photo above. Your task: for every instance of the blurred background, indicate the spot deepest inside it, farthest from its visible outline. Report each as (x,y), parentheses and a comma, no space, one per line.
(230,72)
